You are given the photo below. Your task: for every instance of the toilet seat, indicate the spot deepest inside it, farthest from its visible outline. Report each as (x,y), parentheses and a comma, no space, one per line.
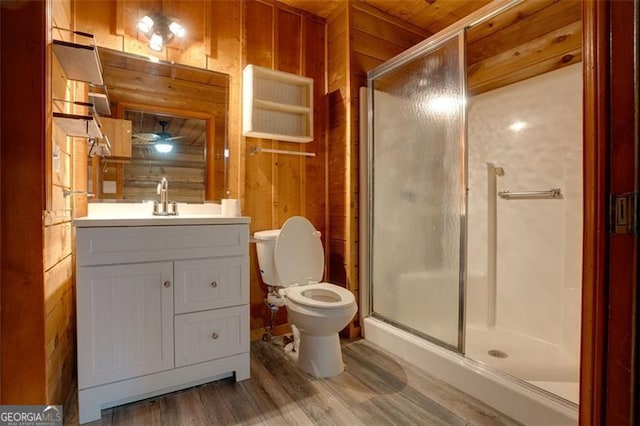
(321,295)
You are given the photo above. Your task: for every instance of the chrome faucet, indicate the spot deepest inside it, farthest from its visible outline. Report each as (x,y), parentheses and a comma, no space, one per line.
(163,190)
(164,207)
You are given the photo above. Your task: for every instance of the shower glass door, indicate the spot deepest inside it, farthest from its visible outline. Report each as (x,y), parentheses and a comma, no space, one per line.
(417,165)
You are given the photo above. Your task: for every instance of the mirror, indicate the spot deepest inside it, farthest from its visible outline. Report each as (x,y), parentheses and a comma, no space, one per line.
(178,130)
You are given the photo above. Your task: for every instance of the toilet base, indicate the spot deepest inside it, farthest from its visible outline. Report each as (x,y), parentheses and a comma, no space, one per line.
(320,356)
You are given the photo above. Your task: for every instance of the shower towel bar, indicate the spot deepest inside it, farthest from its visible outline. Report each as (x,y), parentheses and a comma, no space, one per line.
(552,193)
(257,149)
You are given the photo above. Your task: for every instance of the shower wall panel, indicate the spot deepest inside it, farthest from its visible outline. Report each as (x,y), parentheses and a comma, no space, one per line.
(533,130)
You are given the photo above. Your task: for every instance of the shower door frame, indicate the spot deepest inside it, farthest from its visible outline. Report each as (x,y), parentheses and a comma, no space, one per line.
(385,68)
(458,29)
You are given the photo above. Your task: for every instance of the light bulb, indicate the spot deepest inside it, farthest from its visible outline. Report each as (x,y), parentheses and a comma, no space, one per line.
(145,24)
(177,29)
(155,42)
(163,147)
(517,126)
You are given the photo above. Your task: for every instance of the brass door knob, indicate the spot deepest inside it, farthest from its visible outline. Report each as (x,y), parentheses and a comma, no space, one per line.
(214,336)
(167,284)
(214,284)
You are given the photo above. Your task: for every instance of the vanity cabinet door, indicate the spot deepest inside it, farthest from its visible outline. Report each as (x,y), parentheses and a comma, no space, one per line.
(125,321)
(211,283)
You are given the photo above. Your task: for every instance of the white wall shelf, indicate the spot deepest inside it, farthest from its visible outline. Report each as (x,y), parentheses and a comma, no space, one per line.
(100,102)
(76,125)
(277,105)
(80,62)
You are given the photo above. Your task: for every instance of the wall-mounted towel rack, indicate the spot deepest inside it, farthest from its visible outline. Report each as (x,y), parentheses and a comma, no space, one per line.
(257,149)
(68,192)
(553,193)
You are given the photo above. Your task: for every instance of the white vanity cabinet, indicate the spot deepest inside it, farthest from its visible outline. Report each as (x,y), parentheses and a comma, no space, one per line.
(159,308)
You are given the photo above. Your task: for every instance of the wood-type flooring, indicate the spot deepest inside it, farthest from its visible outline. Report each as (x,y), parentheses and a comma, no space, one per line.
(376,388)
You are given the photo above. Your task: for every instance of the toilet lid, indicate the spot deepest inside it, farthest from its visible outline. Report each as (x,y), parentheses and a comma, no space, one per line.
(298,254)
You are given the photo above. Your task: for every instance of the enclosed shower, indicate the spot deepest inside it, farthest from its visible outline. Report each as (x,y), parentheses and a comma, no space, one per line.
(473,225)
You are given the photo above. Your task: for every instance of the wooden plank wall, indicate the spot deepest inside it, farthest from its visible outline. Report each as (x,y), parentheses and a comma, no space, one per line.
(360,38)
(281,186)
(339,143)
(59,288)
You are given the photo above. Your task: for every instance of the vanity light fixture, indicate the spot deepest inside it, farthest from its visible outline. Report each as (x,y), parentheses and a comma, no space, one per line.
(160,29)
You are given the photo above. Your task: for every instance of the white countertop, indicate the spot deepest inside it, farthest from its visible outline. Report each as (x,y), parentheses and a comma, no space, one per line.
(88,222)
(140,214)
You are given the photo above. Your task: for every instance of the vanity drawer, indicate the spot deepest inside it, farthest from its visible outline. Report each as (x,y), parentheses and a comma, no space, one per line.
(208,335)
(112,245)
(210,283)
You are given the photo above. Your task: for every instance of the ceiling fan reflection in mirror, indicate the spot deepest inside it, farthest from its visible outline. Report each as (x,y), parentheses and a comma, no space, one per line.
(161,141)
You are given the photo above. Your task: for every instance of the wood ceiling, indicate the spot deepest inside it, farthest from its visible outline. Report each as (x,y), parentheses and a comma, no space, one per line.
(430,15)
(531,38)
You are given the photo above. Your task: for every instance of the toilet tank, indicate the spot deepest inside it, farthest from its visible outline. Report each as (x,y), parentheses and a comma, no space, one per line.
(265,245)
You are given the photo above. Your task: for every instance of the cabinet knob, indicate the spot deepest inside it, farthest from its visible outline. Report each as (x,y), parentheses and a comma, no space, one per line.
(167,284)
(214,284)
(214,336)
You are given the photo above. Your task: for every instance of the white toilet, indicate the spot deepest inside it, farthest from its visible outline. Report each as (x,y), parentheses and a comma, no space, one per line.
(292,259)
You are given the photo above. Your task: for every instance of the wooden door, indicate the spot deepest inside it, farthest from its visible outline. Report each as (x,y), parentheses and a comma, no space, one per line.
(609,362)
(125,321)
(623,246)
